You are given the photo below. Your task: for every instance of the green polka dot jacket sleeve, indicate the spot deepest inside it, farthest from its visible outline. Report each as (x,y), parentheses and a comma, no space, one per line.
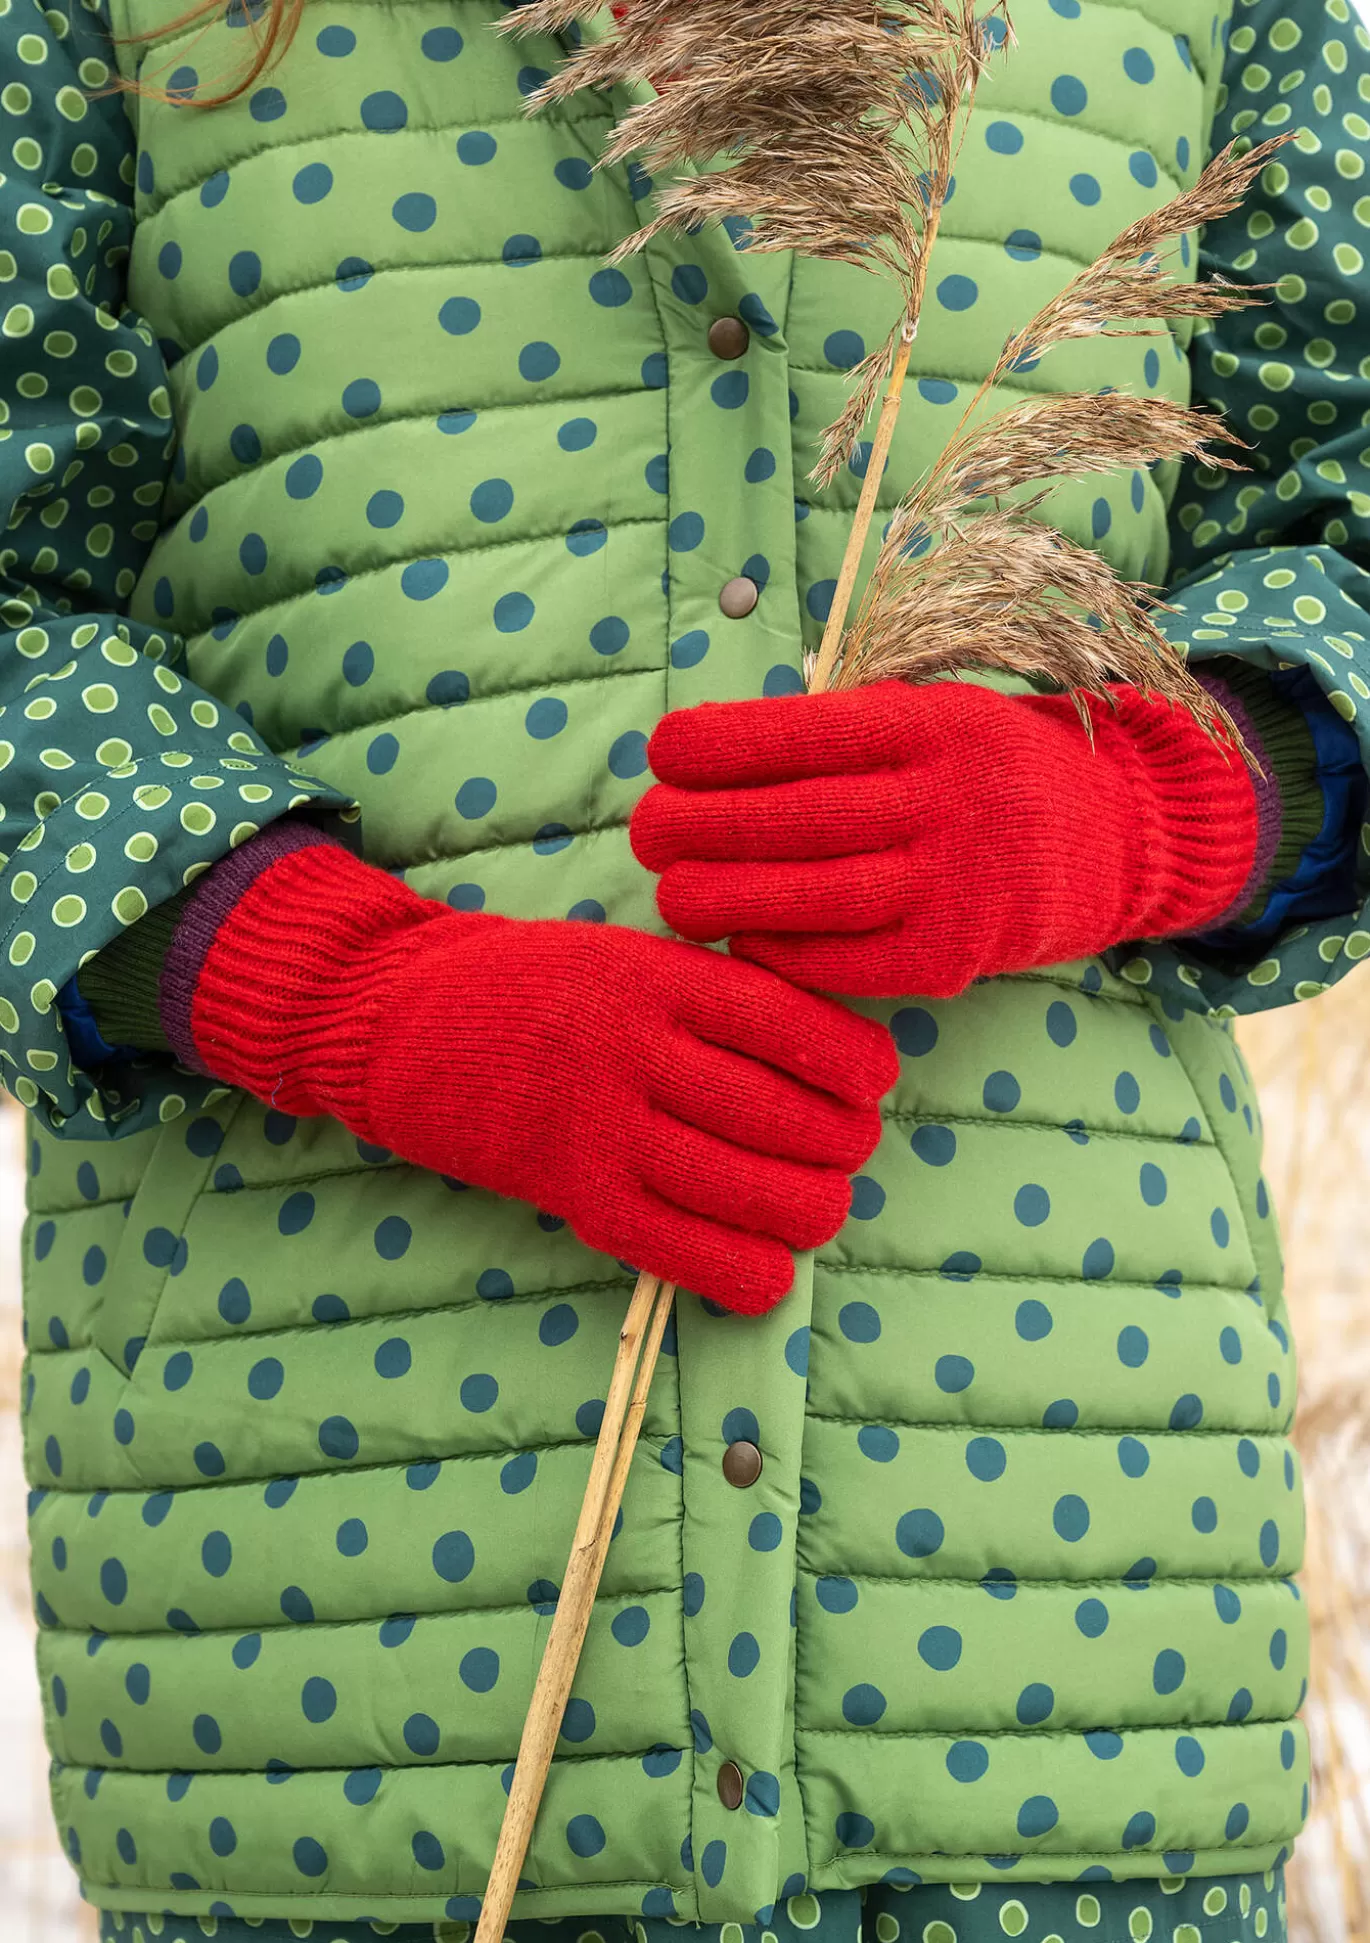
(1265,562)
(120,780)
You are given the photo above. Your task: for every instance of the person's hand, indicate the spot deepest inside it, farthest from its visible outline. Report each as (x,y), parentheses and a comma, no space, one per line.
(688,1114)
(899,839)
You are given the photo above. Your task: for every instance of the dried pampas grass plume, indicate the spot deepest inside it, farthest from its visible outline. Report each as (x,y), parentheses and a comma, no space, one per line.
(814,106)
(836,122)
(1007,592)
(1065,435)
(831,127)
(964,580)
(1131,282)
(961,579)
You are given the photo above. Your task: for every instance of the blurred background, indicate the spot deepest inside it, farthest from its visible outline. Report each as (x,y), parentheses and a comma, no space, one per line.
(1313,1064)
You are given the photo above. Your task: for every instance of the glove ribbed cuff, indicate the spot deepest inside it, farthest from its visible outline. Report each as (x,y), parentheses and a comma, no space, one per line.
(1207,807)
(280,1000)
(1289,797)
(211,901)
(1181,814)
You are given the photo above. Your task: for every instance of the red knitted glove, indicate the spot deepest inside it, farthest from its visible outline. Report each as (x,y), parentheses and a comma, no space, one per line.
(896,839)
(694,1116)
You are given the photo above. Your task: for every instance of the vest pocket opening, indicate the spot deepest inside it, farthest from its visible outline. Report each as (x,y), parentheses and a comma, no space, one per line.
(153,1249)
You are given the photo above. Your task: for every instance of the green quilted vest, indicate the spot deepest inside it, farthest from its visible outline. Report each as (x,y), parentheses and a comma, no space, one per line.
(454,504)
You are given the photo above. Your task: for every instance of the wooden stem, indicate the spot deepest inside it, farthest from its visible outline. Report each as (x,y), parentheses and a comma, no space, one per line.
(639,1345)
(826,664)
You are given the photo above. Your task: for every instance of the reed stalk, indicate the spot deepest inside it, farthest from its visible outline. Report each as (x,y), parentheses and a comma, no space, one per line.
(840,122)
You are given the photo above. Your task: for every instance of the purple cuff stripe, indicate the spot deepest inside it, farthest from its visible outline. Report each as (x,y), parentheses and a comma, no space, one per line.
(215,896)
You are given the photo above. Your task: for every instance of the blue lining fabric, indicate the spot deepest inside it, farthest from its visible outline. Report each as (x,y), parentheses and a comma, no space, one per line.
(87,1042)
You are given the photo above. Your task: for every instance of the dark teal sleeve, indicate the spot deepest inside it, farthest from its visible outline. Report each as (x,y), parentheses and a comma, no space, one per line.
(1269,565)
(121,780)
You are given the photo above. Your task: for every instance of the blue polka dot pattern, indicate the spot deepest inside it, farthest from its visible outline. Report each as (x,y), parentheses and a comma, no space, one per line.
(475,468)
(863,1705)
(1032,1205)
(967,1761)
(986,1459)
(953,1374)
(384,111)
(1004,137)
(956,293)
(939,1647)
(859,1322)
(1069,95)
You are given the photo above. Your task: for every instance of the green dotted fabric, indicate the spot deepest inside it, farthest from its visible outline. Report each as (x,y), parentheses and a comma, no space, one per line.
(86,437)
(1245,1909)
(1012,1598)
(308,1431)
(1266,562)
(121,780)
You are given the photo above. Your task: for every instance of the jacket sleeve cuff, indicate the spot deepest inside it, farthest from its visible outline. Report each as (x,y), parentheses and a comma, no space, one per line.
(170,821)
(1299,619)
(111,1007)
(1289,798)
(135,996)
(207,910)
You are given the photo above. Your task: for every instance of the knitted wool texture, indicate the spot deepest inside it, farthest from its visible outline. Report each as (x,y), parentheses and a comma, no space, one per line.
(894,839)
(693,1115)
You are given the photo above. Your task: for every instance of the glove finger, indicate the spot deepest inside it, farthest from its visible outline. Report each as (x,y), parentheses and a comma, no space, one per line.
(801,1206)
(744,1009)
(755,1106)
(721,743)
(879,964)
(821,816)
(745,1272)
(707,901)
